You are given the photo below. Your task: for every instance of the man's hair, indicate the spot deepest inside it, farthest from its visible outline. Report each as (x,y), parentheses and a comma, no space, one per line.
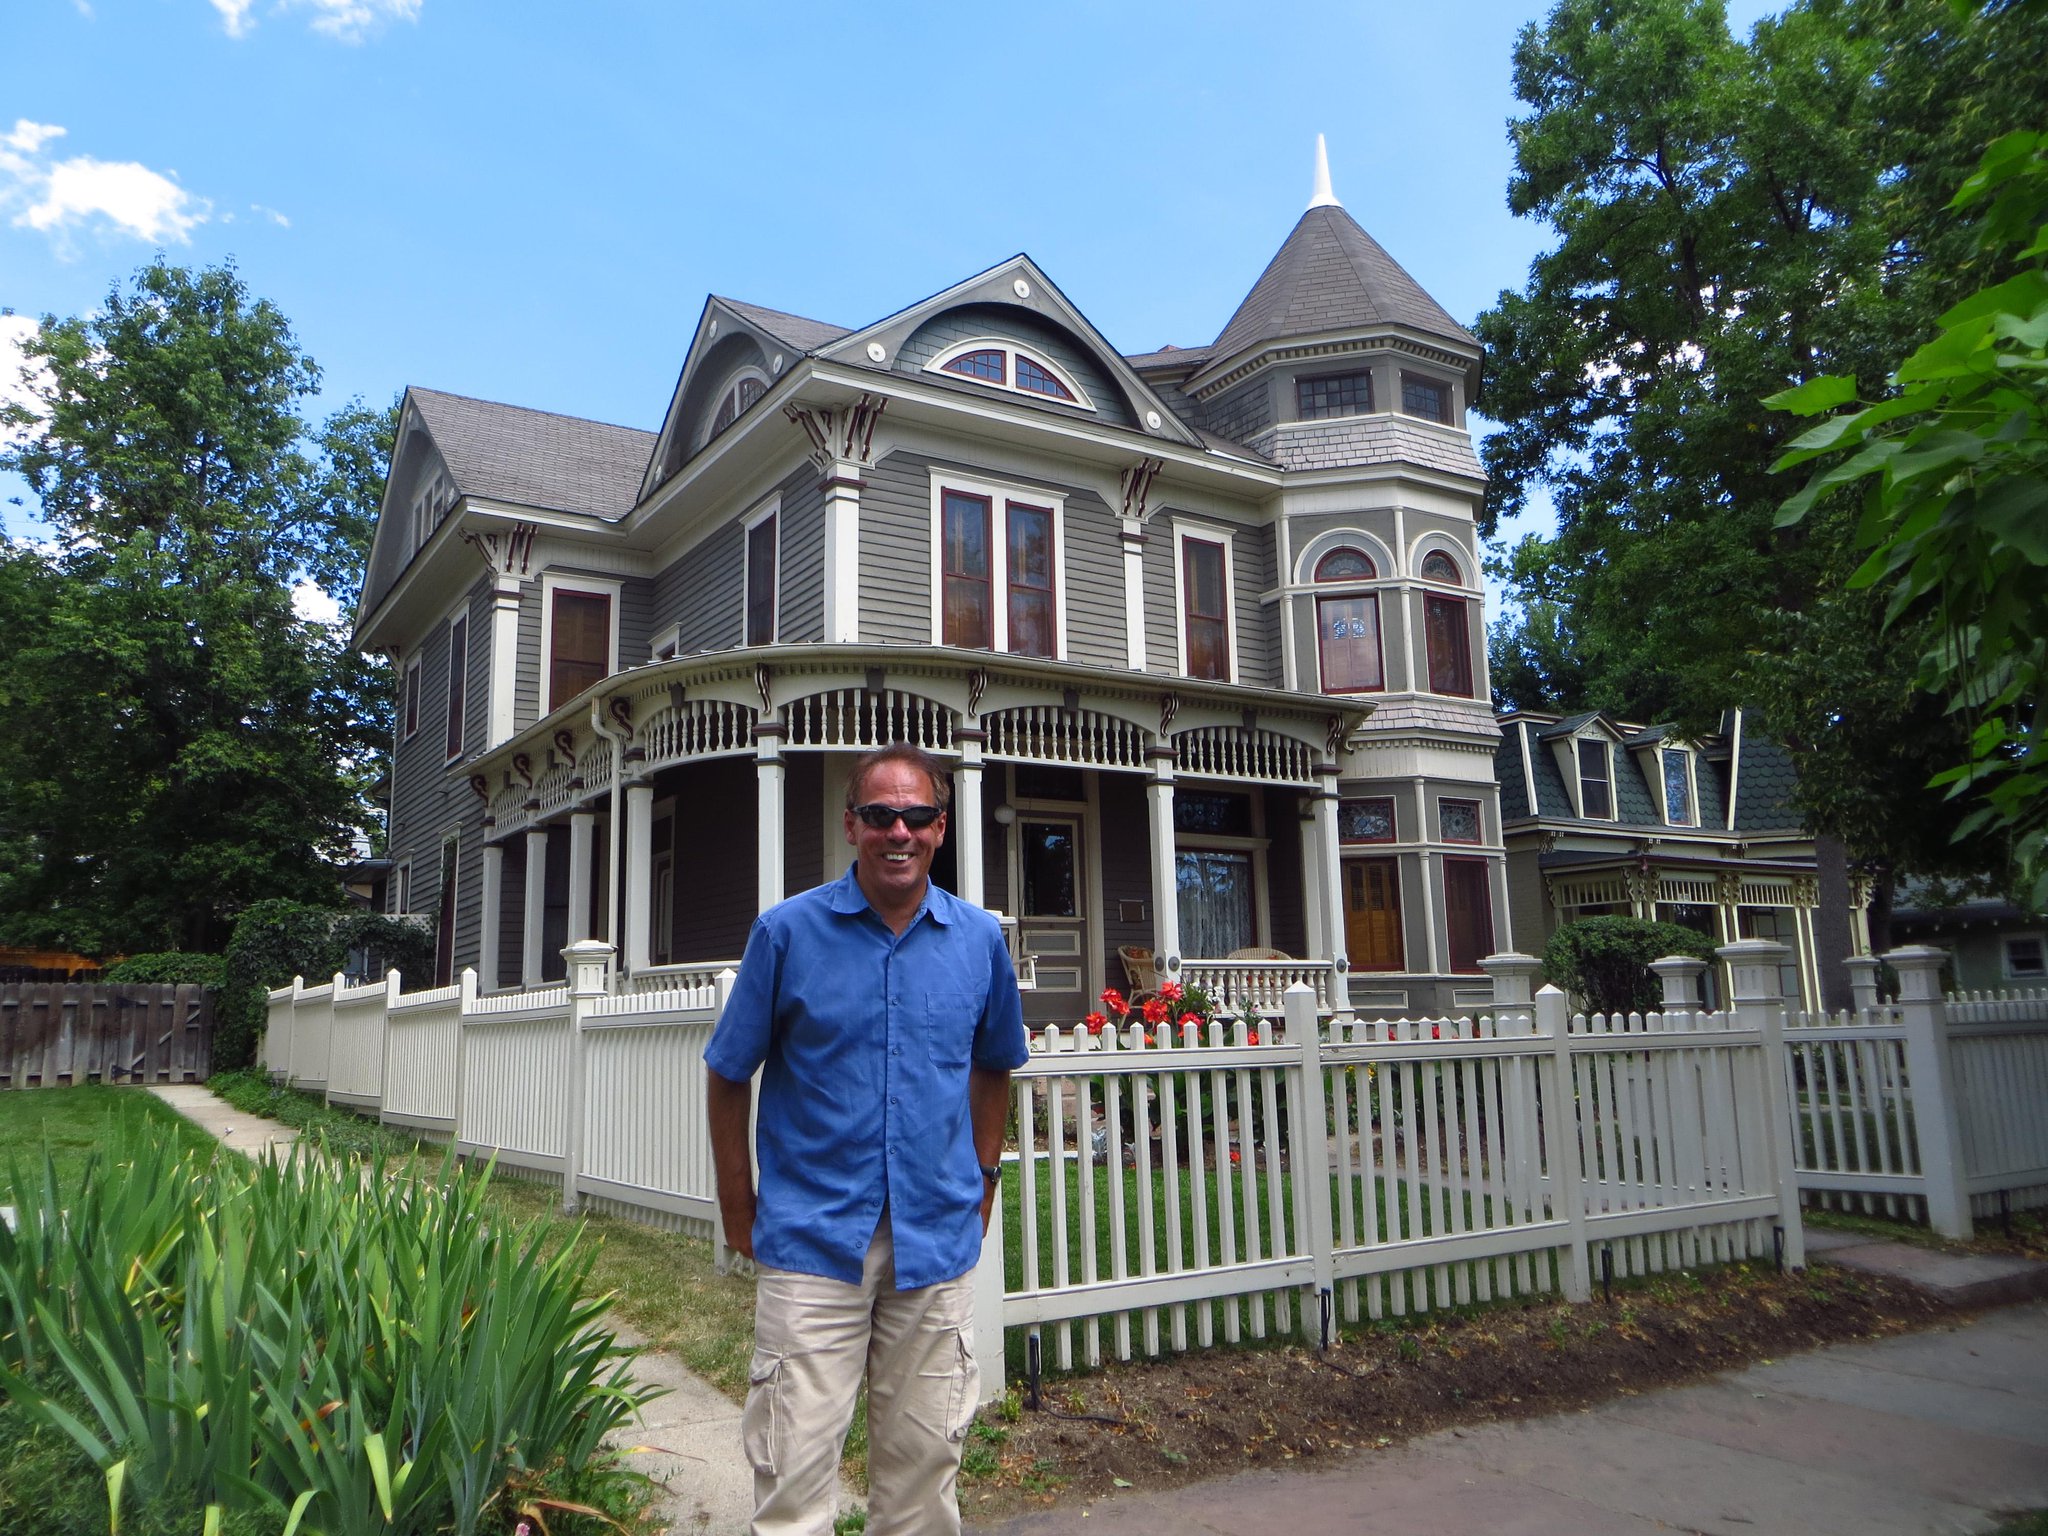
(900,752)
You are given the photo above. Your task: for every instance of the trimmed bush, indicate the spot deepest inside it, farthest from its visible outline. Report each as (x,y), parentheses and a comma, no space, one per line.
(358,1350)
(1605,961)
(170,967)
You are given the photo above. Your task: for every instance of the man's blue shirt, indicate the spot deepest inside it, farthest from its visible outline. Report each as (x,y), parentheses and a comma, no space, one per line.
(867,1038)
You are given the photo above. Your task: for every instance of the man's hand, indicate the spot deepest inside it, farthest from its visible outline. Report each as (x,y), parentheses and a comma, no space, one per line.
(729,1108)
(988,1106)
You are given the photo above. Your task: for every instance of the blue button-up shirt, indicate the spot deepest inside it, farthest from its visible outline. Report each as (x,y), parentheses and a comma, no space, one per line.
(867,1037)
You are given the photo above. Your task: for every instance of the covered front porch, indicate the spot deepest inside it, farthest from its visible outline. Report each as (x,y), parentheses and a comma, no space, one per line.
(1099,813)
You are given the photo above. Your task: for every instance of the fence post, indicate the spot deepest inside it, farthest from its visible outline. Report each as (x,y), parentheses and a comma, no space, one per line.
(1936,1125)
(588,962)
(724,982)
(1758,996)
(1560,1109)
(1681,977)
(988,1295)
(339,981)
(1310,1178)
(1513,975)
(282,1071)
(392,982)
(465,1006)
(1863,982)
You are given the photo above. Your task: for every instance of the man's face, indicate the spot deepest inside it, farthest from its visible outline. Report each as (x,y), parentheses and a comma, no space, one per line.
(894,861)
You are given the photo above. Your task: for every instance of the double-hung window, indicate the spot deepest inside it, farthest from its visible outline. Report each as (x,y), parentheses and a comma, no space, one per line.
(998,563)
(1678,797)
(761,564)
(1348,626)
(579,635)
(1596,781)
(1205,606)
(1447,630)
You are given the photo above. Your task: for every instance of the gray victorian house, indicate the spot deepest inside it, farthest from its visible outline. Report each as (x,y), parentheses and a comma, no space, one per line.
(1198,630)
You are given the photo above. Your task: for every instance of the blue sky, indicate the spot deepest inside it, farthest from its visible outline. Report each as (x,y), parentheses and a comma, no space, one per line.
(530,202)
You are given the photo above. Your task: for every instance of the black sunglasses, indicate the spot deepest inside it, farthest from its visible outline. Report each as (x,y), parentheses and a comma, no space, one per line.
(881,817)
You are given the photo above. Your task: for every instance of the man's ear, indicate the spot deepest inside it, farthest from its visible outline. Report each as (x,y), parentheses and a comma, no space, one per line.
(847,818)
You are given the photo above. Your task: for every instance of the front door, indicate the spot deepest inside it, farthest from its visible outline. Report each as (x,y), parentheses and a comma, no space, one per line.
(1052,916)
(1372,914)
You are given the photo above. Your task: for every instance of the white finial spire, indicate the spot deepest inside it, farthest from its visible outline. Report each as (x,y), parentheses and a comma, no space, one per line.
(1323,197)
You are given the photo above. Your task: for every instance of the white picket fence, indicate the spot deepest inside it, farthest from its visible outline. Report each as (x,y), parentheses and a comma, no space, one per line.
(1174,1195)
(1926,1108)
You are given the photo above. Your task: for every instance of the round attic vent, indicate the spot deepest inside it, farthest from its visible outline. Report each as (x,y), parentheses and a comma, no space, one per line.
(710,329)
(1021,288)
(876,351)
(1152,420)
(776,365)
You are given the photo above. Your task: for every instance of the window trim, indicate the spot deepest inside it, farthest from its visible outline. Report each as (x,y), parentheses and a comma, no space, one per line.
(1579,777)
(1379,635)
(398,895)
(552,582)
(1478,838)
(999,494)
(1450,416)
(1365,373)
(1692,785)
(1393,822)
(729,390)
(2005,970)
(769,510)
(1008,384)
(409,700)
(1427,682)
(1485,866)
(456,713)
(1206,533)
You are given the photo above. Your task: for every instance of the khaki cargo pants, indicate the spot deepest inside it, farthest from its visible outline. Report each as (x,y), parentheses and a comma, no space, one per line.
(813,1338)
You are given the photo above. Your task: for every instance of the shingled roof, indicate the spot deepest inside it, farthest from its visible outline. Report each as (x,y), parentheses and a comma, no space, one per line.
(1330,275)
(536,458)
(804,335)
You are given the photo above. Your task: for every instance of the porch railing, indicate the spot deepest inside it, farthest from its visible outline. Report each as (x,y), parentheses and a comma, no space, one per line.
(1260,985)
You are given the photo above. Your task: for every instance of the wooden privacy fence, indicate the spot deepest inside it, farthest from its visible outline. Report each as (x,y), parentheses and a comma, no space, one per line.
(1926,1107)
(53,1034)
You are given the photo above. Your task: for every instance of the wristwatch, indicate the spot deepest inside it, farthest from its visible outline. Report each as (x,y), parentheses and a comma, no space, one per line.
(993,1172)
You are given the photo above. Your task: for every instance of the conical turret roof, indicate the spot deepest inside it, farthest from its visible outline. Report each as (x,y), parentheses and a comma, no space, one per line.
(1330,275)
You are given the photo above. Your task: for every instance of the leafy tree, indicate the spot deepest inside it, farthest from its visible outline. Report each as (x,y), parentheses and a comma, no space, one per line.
(178,741)
(1605,961)
(1732,215)
(1953,463)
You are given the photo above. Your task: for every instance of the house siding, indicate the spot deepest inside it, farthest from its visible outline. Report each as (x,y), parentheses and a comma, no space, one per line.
(1126,838)
(715,881)
(895,553)
(800,610)
(1241,413)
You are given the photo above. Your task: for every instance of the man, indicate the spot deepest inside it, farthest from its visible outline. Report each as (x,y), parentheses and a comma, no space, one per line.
(885,1015)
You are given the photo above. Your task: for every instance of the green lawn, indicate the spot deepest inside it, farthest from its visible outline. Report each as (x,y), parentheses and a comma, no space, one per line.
(72,1122)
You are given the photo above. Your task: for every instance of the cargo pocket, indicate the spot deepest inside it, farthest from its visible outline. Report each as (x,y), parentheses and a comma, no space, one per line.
(761,1428)
(966,1389)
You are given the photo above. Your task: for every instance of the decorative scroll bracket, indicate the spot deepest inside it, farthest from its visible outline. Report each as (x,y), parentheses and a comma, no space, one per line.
(507,551)
(840,435)
(1137,483)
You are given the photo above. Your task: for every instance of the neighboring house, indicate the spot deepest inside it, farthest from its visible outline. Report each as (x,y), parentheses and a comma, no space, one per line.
(1602,816)
(1199,624)
(1993,944)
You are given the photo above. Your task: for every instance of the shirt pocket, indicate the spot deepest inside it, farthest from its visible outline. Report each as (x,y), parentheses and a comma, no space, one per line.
(950,1020)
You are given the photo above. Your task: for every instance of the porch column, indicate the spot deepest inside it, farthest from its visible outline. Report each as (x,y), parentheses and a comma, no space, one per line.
(491,916)
(1132,536)
(1312,879)
(1330,896)
(504,667)
(582,853)
(530,957)
(770,838)
(639,873)
(1165,872)
(966,818)
(843,486)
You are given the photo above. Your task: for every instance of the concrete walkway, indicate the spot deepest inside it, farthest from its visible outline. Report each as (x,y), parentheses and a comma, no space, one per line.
(1940,1431)
(690,1436)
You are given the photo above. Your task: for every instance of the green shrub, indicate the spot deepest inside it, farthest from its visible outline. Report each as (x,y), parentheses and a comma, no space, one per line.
(1605,961)
(357,1345)
(277,940)
(170,967)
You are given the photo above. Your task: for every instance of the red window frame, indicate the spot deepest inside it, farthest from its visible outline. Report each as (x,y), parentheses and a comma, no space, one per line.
(1447,636)
(1364,800)
(972,365)
(1043,381)
(1468,913)
(1208,633)
(1032,612)
(458,682)
(1324,571)
(967,601)
(1443,826)
(579,644)
(761,550)
(1354,663)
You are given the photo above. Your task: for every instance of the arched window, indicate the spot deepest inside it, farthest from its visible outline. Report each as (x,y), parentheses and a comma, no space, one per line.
(736,400)
(993,360)
(1438,566)
(1346,564)
(1348,628)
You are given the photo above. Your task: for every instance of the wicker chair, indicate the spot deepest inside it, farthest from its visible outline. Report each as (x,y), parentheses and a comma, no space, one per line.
(1140,971)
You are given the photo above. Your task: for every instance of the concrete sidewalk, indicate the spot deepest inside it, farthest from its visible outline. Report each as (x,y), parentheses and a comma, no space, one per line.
(1941,1431)
(687,1440)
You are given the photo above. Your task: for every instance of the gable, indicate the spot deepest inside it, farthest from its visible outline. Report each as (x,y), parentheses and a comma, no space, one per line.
(1029,334)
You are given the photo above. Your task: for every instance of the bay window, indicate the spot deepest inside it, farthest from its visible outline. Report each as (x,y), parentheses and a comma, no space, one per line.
(1348,627)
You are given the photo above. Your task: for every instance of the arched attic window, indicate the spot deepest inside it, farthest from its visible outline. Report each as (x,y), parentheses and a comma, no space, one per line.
(733,404)
(991,360)
(1348,626)
(1446,628)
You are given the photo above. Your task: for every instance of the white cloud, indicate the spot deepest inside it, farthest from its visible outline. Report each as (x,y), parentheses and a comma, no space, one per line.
(271,214)
(14,390)
(311,603)
(59,196)
(346,20)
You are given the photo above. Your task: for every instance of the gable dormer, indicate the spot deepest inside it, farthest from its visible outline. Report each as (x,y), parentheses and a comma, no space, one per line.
(1590,759)
(1672,770)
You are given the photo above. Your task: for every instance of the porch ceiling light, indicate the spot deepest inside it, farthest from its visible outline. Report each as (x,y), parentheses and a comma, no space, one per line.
(1005,815)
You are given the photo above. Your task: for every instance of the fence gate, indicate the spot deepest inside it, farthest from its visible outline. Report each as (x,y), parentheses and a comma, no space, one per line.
(54,1034)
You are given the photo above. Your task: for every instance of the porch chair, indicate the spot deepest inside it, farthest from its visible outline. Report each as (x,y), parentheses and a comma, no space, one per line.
(1139,971)
(1260,952)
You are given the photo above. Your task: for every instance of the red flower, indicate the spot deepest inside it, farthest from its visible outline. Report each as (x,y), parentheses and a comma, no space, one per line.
(1252,1038)
(1171,991)
(1190,1021)
(1113,1000)
(1094,1023)
(1436,1031)
(1156,1010)
(1234,1156)
(1148,1038)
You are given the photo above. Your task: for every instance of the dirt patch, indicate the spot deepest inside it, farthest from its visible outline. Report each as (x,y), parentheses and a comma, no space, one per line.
(1212,1414)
